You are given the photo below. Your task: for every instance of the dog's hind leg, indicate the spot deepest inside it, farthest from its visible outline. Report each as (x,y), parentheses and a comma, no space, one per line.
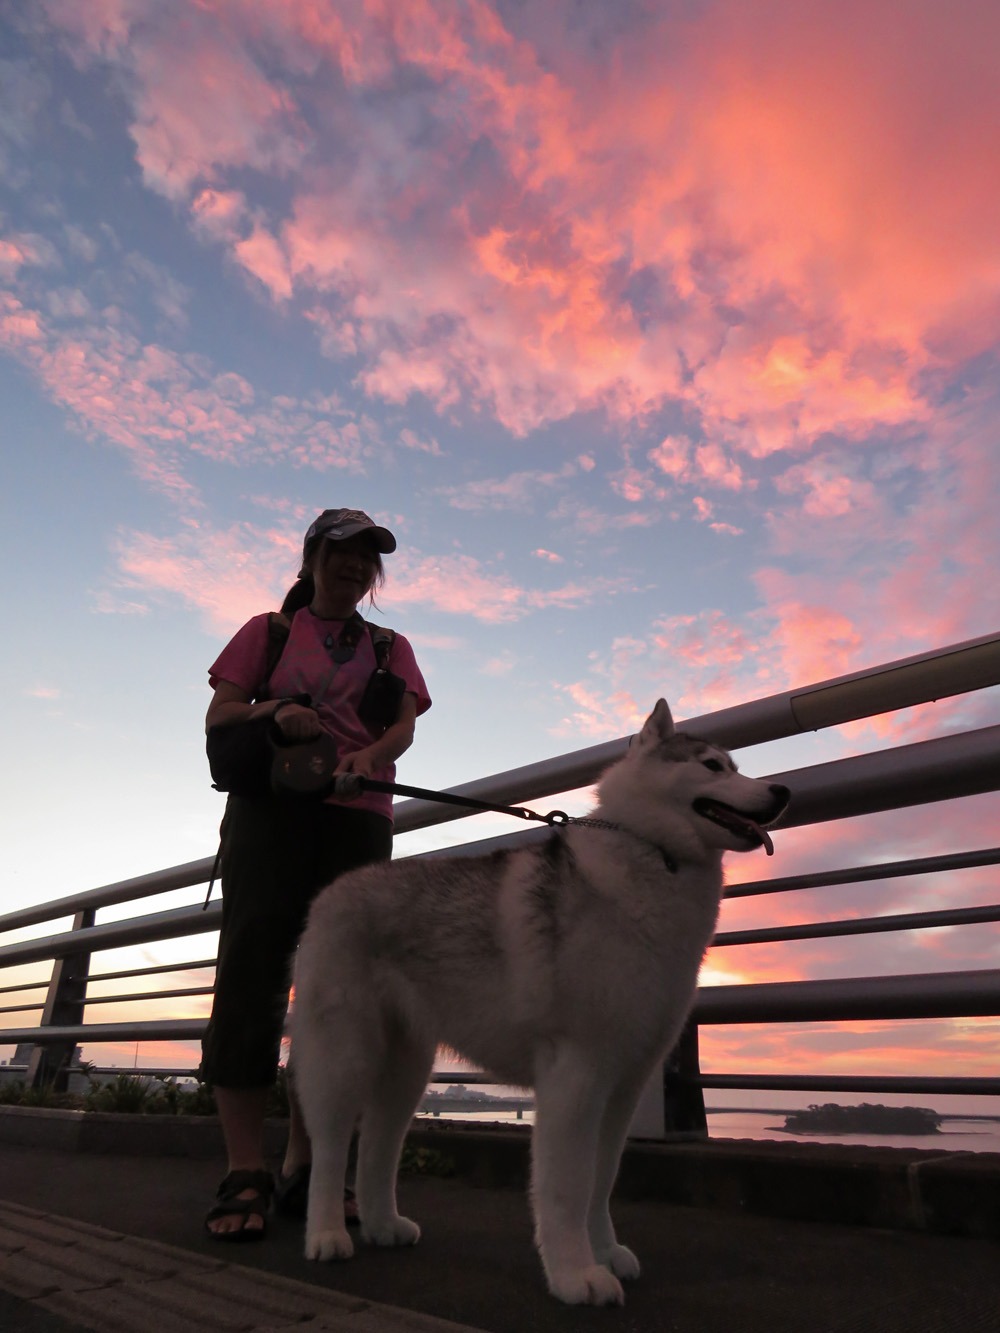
(395,1096)
(614,1129)
(569,1108)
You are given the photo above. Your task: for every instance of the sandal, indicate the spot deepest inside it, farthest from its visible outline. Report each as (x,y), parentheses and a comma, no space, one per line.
(291,1196)
(228,1204)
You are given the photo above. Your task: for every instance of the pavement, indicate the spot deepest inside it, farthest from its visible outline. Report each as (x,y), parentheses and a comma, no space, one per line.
(114,1241)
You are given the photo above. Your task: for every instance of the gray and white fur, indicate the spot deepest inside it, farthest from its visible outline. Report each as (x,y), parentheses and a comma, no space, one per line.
(568,967)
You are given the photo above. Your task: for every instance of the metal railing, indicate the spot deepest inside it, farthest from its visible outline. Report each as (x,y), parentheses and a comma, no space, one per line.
(929,771)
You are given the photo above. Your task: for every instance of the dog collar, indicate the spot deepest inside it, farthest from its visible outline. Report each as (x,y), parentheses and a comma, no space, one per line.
(585,822)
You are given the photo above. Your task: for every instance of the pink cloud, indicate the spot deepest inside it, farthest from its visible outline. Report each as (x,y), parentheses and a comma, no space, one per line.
(961,1046)
(47,693)
(262,256)
(460,585)
(231,575)
(158,404)
(19,251)
(826,488)
(228,576)
(705,180)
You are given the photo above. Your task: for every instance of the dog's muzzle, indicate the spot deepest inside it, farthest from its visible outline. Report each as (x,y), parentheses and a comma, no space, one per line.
(751,827)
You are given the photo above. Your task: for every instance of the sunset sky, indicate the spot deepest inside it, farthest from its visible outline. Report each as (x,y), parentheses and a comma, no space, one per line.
(663,333)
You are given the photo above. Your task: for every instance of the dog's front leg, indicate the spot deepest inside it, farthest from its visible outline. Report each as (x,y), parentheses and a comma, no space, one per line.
(611,1140)
(569,1108)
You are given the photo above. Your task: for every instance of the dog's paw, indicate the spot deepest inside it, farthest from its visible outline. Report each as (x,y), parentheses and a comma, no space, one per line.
(326,1245)
(622,1263)
(595,1285)
(393,1231)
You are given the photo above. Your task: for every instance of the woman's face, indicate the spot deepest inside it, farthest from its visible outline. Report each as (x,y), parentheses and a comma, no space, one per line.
(344,571)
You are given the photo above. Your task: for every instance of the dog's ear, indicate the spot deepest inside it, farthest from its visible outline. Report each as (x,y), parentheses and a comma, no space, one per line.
(658,727)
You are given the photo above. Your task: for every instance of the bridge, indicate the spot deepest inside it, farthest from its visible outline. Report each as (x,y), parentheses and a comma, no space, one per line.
(100,1216)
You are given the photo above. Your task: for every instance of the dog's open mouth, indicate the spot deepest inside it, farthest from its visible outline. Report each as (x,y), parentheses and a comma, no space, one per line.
(735,821)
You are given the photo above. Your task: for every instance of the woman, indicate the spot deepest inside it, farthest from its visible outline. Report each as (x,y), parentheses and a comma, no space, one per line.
(277,853)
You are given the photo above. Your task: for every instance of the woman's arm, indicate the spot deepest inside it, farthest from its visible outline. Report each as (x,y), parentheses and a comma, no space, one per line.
(396,740)
(231,704)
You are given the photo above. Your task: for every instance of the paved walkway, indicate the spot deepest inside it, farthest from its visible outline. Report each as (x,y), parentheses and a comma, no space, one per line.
(114,1242)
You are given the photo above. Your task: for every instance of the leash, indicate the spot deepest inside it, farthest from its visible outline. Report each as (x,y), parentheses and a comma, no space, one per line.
(349,785)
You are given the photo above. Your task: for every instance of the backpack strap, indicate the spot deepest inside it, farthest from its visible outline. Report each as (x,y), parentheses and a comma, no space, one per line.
(382,640)
(278,629)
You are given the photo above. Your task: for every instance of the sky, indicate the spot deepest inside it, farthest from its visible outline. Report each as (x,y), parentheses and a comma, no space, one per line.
(663,335)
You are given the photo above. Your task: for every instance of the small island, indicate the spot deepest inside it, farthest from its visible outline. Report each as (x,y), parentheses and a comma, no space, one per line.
(867,1118)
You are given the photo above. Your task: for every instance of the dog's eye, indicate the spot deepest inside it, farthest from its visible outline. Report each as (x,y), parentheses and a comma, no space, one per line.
(716,765)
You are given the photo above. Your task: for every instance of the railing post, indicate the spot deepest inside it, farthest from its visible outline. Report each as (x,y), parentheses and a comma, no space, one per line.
(683,1098)
(64,1006)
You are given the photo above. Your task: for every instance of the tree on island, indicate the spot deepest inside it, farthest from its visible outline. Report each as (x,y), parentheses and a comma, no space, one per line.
(868,1118)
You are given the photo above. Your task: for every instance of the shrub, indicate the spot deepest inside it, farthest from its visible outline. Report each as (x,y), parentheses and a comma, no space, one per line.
(19,1094)
(126,1092)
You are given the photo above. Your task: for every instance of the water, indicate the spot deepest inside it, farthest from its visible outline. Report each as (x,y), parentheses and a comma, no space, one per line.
(955,1135)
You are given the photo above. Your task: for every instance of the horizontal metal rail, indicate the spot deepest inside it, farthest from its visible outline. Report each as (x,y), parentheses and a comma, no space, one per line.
(194,920)
(956,669)
(865,784)
(154,1029)
(137,930)
(871,925)
(822,879)
(149,995)
(124,891)
(943,768)
(898,1083)
(27,985)
(147,971)
(936,770)
(920,995)
(940,995)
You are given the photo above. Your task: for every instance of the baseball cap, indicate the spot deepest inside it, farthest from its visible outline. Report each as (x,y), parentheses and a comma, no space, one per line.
(339,524)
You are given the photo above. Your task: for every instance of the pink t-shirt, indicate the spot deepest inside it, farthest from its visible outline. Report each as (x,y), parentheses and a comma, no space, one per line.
(306,667)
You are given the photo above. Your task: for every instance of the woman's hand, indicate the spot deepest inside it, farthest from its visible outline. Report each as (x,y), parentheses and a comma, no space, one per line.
(386,750)
(365,763)
(296,722)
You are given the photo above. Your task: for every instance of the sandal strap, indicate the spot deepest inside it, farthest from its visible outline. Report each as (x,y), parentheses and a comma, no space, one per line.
(238,1181)
(237,1208)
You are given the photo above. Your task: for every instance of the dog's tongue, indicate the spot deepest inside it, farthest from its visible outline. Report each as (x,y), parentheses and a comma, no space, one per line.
(762,833)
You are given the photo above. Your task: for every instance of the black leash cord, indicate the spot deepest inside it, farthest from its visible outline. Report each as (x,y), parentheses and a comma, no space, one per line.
(351,783)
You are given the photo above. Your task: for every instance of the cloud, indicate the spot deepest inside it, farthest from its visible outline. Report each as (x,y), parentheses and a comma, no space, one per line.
(461,585)
(228,575)
(231,574)
(412,440)
(160,405)
(518,490)
(614,225)
(962,1046)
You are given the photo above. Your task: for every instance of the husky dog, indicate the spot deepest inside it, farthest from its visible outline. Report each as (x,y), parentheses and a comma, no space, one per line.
(568,967)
